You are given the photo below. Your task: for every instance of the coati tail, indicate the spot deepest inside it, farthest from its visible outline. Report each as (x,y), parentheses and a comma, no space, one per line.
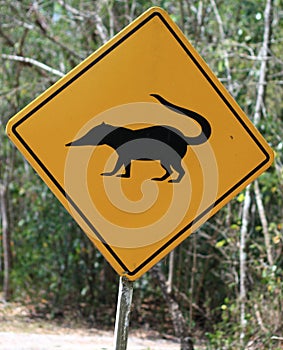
(203,123)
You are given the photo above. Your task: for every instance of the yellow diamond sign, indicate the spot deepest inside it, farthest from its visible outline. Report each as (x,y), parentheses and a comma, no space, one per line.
(141,143)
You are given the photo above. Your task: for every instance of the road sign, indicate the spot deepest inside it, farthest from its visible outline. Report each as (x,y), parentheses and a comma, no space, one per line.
(141,143)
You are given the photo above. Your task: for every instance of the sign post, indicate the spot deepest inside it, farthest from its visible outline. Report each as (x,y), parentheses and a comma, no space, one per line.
(123,313)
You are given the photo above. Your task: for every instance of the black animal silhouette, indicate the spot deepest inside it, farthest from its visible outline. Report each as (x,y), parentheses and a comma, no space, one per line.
(160,142)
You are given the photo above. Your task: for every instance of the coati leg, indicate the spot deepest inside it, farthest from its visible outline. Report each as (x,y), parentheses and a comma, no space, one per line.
(118,165)
(166,175)
(178,167)
(127,173)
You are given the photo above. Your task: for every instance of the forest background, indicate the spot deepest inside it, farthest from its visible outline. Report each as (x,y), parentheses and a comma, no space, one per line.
(225,281)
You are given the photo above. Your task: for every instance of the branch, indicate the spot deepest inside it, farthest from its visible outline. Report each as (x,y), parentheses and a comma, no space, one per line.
(42,24)
(225,53)
(8,40)
(258,108)
(245,217)
(274,337)
(63,46)
(259,318)
(34,63)
(263,55)
(100,28)
(243,261)
(264,223)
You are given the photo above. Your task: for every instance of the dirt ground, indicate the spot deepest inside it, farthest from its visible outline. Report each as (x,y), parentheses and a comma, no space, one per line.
(19,331)
(96,341)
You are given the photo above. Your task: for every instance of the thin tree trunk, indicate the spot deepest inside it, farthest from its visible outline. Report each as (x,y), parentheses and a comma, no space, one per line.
(264,223)
(264,53)
(245,218)
(182,15)
(6,242)
(225,52)
(180,327)
(243,263)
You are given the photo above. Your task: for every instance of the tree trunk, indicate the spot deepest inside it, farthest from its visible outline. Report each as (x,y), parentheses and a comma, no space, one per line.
(243,263)
(264,53)
(180,327)
(264,223)
(6,242)
(245,218)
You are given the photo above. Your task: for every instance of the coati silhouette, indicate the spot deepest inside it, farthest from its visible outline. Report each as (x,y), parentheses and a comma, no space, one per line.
(160,142)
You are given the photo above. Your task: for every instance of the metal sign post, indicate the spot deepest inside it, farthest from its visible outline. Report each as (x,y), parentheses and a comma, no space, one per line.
(123,314)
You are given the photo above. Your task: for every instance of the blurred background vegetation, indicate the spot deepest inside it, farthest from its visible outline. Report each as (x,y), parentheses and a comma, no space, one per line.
(226,279)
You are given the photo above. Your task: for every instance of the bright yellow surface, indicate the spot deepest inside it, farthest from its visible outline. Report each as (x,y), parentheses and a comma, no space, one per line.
(139,219)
